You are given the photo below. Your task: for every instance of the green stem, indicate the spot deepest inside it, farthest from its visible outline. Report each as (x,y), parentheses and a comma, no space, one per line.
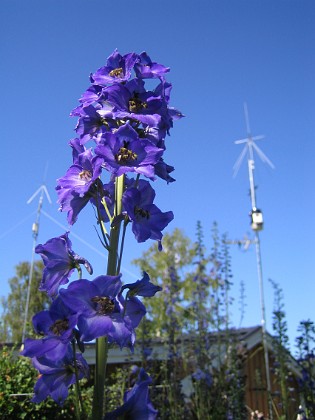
(122,245)
(101,342)
(100,376)
(78,396)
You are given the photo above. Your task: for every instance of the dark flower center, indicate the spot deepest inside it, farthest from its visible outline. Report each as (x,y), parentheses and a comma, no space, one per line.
(136,105)
(125,155)
(104,305)
(116,72)
(59,326)
(141,212)
(85,175)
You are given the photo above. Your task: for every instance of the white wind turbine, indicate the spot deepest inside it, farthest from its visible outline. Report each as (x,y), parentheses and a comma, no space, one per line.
(256,225)
(248,149)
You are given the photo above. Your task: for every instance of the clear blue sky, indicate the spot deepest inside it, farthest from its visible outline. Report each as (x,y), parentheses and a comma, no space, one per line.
(221,53)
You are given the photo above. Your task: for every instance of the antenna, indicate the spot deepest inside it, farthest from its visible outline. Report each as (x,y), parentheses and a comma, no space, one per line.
(256,225)
(41,191)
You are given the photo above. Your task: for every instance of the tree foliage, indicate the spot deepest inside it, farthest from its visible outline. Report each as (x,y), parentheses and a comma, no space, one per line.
(13,306)
(194,302)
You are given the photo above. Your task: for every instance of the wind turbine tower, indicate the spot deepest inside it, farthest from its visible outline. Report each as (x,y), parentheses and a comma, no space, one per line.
(256,225)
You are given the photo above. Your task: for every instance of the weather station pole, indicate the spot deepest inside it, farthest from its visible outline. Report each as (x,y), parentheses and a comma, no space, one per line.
(256,225)
(35,229)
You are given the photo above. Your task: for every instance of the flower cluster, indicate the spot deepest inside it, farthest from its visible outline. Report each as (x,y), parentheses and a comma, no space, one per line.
(120,136)
(127,125)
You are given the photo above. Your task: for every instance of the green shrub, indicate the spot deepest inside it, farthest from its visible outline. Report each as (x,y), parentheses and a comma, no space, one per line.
(17,379)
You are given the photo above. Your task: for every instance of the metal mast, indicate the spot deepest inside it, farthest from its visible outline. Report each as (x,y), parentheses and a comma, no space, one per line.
(257,225)
(35,229)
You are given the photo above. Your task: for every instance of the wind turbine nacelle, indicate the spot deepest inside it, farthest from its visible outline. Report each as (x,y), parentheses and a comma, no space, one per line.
(257,221)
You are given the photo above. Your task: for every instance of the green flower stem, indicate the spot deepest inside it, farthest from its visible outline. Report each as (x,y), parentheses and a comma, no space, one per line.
(122,245)
(78,395)
(79,270)
(101,342)
(100,376)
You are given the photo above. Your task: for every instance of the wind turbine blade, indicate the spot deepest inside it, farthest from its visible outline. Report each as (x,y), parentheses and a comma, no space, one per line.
(258,137)
(262,156)
(34,195)
(241,141)
(239,161)
(246,118)
(47,194)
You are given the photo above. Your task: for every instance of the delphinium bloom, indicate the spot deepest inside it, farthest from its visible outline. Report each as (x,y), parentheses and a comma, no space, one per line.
(59,261)
(147,219)
(102,310)
(137,404)
(57,375)
(117,69)
(57,325)
(142,287)
(123,151)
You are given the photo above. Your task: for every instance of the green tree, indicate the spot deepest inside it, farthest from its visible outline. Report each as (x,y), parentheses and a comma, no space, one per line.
(13,306)
(193,303)
(168,315)
(169,269)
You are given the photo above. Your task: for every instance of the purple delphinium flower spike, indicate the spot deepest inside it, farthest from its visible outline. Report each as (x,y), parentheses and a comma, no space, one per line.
(59,261)
(57,375)
(137,404)
(147,219)
(142,287)
(102,311)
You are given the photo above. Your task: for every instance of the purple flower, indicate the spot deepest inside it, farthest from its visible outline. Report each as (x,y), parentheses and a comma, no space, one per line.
(142,287)
(80,184)
(57,324)
(90,124)
(57,375)
(102,311)
(93,94)
(73,203)
(133,101)
(145,68)
(162,170)
(118,69)
(81,176)
(77,149)
(59,261)
(123,151)
(137,404)
(147,219)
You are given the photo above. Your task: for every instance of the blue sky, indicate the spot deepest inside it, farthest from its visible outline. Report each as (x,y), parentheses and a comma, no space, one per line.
(221,53)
